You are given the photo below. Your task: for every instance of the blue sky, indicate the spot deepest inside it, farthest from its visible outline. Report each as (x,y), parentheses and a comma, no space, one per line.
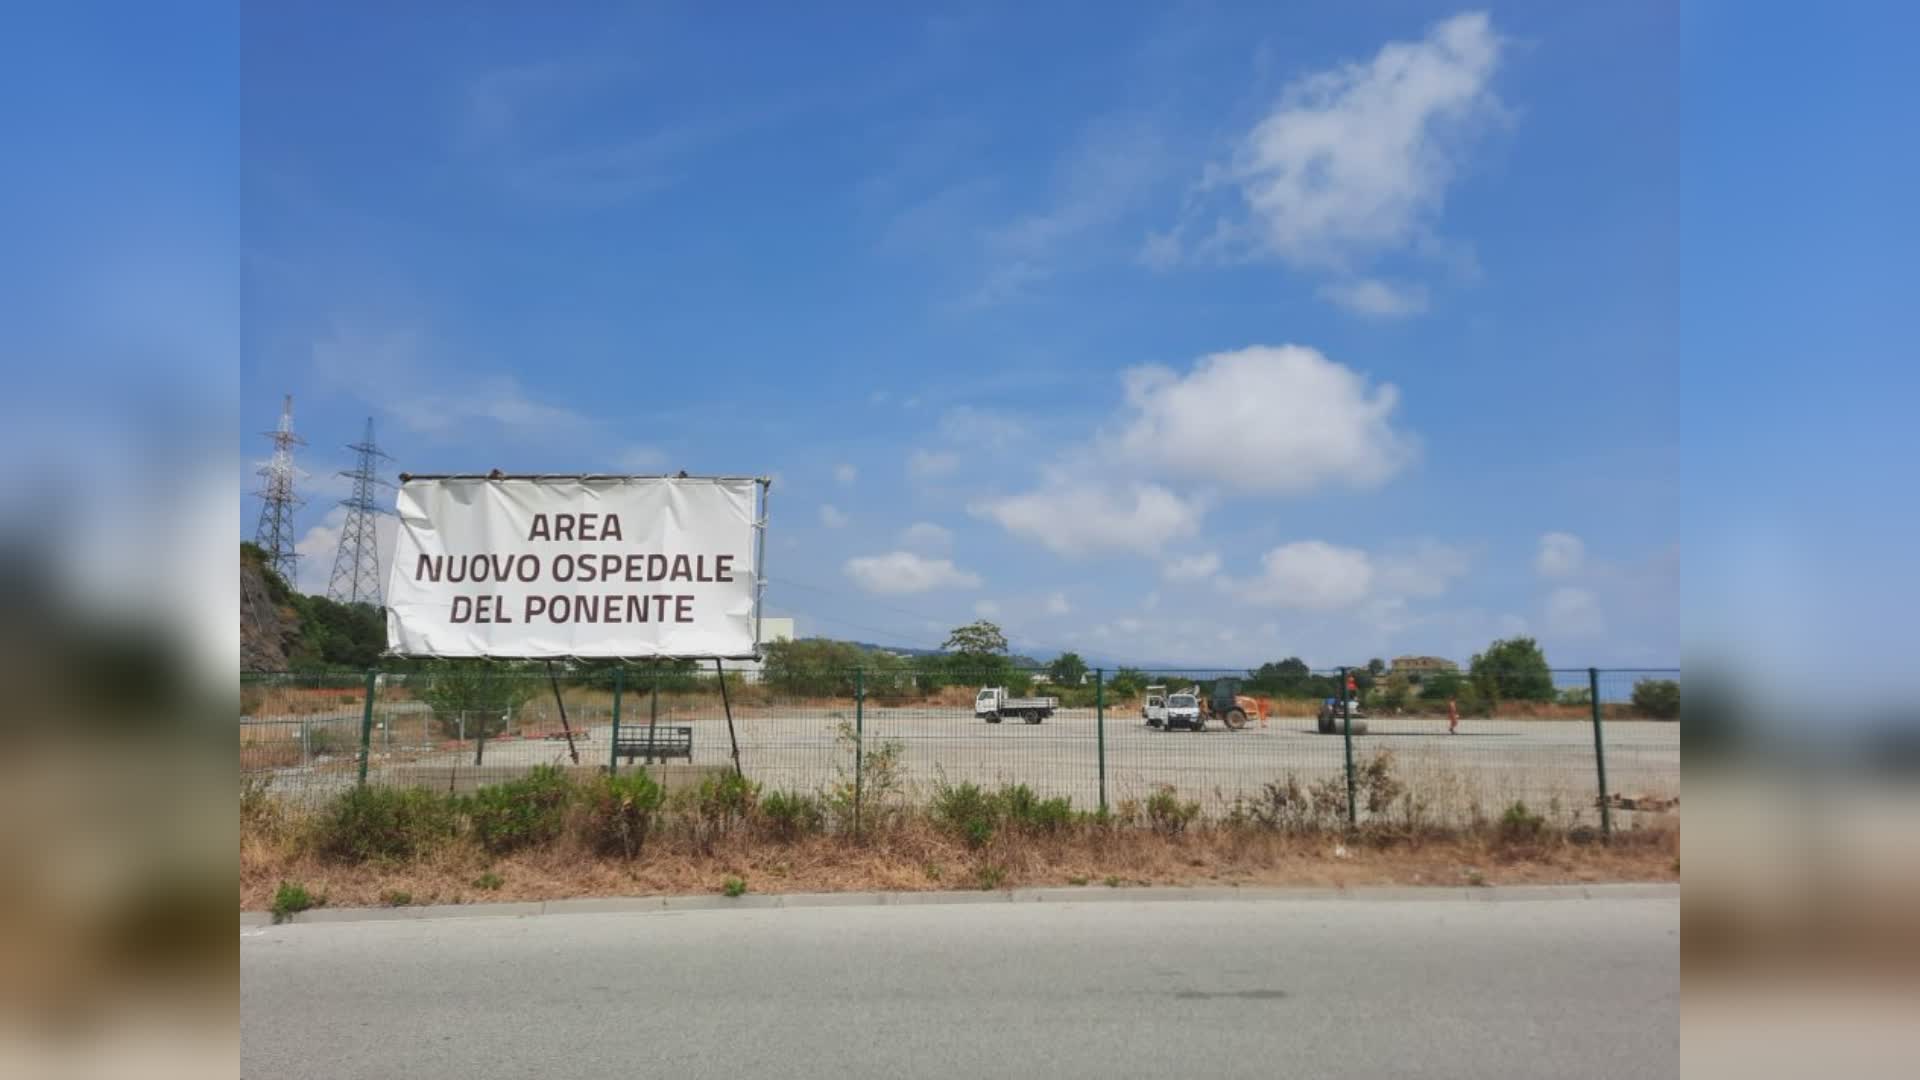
(1209,336)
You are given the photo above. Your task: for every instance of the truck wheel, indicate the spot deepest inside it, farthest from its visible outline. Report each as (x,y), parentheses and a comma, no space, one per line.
(1034,718)
(993,719)
(1237,719)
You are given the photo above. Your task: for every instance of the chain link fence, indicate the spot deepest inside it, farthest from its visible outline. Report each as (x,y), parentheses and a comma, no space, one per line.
(1358,746)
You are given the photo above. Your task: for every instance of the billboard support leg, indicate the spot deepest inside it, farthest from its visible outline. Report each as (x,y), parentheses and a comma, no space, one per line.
(728,706)
(572,750)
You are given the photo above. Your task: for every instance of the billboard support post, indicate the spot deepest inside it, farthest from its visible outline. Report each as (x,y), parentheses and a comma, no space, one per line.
(728,706)
(572,750)
(613,741)
(1346,714)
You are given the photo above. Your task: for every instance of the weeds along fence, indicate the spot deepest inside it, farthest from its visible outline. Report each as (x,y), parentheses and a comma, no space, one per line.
(1594,748)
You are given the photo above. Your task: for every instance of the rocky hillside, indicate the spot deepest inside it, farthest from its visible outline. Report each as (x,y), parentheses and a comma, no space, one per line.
(269,624)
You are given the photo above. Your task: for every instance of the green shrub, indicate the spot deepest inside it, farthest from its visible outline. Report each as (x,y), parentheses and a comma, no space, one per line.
(1657,698)
(1520,825)
(489,881)
(1379,788)
(724,802)
(977,832)
(1023,809)
(734,886)
(290,898)
(397,898)
(365,824)
(966,811)
(790,815)
(990,877)
(1167,814)
(620,812)
(520,813)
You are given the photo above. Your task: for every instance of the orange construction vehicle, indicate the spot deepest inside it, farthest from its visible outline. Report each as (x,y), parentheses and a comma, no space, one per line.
(1232,708)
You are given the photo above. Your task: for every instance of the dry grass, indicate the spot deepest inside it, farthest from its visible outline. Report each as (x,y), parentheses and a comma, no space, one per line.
(914,857)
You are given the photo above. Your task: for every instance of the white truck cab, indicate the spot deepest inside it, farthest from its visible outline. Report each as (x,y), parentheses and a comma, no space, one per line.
(1183,710)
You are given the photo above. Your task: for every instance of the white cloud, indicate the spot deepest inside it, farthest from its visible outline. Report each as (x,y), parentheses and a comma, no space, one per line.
(1313,575)
(1279,420)
(1310,575)
(904,572)
(1561,554)
(1079,520)
(1264,420)
(1192,567)
(923,464)
(1129,625)
(831,517)
(1351,163)
(1354,161)
(986,609)
(845,475)
(1575,613)
(926,536)
(1377,298)
(1057,604)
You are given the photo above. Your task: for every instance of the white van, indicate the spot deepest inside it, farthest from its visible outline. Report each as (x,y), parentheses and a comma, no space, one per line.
(1154,712)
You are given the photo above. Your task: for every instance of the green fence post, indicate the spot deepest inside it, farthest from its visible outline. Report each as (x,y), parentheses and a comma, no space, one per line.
(1346,712)
(613,741)
(1600,753)
(859,736)
(1100,730)
(366,729)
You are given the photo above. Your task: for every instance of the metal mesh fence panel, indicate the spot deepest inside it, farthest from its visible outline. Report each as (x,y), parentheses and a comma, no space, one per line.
(1441,748)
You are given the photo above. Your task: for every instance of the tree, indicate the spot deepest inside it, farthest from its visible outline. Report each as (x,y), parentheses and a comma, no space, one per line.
(977,639)
(1288,678)
(1397,689)
(977,653)
(1127,682)
(812,667)
(1512,669)
(1068,669)
(475,700)
(1657,698)
(1376,667)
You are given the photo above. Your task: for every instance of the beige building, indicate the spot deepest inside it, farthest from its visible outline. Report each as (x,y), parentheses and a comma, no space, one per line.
(1415,667)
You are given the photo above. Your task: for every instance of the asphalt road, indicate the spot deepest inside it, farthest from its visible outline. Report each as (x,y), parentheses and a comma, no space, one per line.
(1414,988)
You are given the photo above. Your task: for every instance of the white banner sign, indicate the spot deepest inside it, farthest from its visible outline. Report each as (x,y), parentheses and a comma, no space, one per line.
(590,567)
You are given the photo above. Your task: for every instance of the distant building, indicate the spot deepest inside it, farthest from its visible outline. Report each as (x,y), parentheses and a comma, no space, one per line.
(771,630)
(1417,667)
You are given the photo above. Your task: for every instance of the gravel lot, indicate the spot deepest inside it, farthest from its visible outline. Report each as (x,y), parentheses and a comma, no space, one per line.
(1491,762)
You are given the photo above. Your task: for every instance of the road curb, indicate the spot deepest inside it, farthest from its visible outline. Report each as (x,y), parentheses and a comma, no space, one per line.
(1078,894)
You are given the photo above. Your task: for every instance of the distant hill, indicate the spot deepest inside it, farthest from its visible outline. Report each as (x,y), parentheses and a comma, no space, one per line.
(1019,660)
